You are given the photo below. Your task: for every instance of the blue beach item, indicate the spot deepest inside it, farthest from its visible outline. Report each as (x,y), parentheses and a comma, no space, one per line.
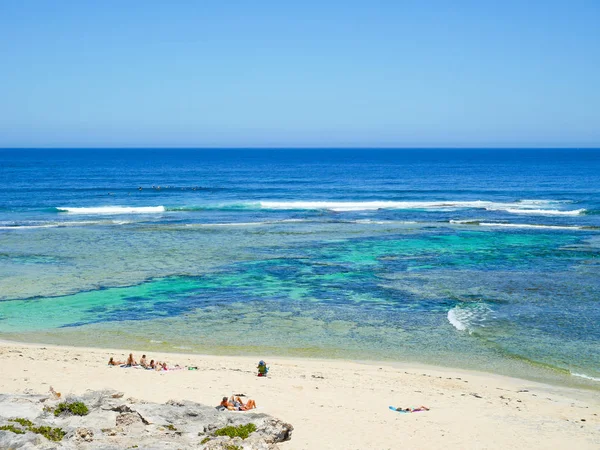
(262,368)
(393,408)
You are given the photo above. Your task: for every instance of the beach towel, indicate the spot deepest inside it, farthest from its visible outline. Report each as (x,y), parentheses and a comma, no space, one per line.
(393,408)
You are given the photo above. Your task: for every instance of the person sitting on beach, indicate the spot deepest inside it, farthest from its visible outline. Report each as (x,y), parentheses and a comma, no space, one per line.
(237,404)
(130,361)
(161,366)
(262,368)
(112,362)
(143,362)
(152,365)
(420,408)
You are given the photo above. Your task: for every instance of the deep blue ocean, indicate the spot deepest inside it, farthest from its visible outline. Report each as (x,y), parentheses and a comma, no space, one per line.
(482,259)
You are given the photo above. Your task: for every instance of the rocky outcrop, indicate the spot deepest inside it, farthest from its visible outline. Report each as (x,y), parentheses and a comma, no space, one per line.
(116,423)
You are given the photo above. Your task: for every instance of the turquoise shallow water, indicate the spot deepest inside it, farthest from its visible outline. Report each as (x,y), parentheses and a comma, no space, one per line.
(461,259)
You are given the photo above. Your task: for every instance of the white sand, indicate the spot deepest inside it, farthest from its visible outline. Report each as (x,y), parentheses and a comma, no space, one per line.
(336,404)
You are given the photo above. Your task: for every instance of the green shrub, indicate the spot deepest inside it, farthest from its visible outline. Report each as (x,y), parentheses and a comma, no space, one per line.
(232,447)
(12,428)
(52,434)
(205,440)
(171,427)
(75,408)
(242,431)
(23,422)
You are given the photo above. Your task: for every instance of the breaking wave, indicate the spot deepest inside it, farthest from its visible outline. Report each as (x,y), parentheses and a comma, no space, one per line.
(467,317)
(587,377)
(26,226)
(518,225)
(113,210)
(546,212)
(531,207)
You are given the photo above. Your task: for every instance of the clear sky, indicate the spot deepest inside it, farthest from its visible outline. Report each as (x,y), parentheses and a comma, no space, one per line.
(305,73)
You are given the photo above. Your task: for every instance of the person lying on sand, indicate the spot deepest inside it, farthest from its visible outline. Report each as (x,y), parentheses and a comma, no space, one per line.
(112,362)
(158,366)
(236,404)
(130,361)
(420,408)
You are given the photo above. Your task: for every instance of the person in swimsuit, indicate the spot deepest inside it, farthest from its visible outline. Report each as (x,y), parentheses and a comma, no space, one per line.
(130,361)
(112,362)
(420,408)
(237,404)
(143,362)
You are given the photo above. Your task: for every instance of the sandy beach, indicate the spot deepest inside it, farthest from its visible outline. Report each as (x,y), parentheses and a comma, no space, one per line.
(335,404)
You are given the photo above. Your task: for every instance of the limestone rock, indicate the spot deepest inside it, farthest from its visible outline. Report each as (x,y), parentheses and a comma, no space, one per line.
(117,423)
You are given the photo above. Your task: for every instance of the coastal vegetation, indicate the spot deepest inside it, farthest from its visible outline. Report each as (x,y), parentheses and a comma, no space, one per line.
(74,408)
(241,431)
(51,433)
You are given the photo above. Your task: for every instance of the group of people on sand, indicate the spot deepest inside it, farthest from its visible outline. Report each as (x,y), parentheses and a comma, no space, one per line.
(236,404)
(144,364)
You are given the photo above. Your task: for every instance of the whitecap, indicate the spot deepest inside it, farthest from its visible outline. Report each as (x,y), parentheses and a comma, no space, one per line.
(526,225)
(587,377)
(468,316)
(518,207)
(111,210)
(383,222)
(546,212)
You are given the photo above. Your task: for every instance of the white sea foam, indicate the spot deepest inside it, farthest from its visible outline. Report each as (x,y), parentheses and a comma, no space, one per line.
(546,212)
(368,206)
(465,222)
(112,210)
(232,224)
(28,227)
(519,207)
(587,377)
(469,316)
(526,225)
(245,224)
(544,202)
(383,222)
(62,224)
(532,207)
(455,320)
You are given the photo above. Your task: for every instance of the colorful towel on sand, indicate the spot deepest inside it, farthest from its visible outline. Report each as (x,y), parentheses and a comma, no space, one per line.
(393,408)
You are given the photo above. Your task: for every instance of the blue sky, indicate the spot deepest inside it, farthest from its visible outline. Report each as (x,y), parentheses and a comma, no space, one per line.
(262,73)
